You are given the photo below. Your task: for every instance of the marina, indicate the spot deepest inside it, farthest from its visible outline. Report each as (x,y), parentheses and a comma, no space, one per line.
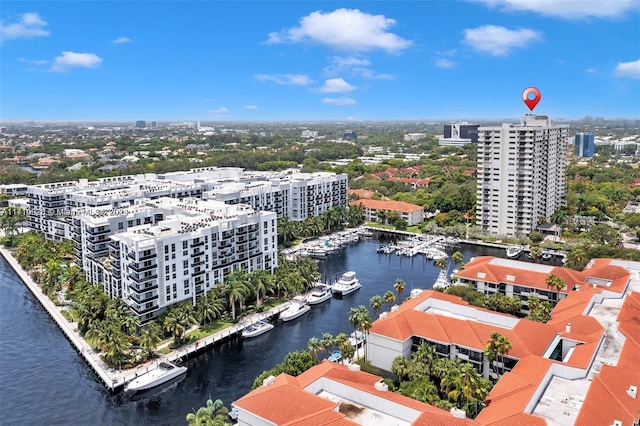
(224,370)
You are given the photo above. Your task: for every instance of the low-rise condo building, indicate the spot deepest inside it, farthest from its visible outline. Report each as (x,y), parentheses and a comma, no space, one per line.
(373,210)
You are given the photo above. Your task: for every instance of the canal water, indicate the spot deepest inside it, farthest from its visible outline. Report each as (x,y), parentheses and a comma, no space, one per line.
(43,381)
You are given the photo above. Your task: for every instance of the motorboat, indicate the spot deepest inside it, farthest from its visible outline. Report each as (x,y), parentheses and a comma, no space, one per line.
(320,293)
(347,284)
(257,328)
(297,308)
(357,339)
(335,356)
(162,373)
(514,252)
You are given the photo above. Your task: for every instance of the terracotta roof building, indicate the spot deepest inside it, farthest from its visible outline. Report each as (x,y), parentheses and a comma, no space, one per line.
(411,213)
(335,395)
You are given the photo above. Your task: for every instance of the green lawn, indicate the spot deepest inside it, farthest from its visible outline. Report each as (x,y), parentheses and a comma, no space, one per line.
(414,229)
(207,330)
(378,225)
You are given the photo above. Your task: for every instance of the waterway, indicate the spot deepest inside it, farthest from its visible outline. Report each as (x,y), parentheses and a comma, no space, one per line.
(44,381)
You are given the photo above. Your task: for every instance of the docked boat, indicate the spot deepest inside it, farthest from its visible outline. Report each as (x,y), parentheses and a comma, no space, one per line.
(297,308)
(442,282)
(162,373)
(335,356)
(347,284)
(320,293)
(257,328)
(514,252)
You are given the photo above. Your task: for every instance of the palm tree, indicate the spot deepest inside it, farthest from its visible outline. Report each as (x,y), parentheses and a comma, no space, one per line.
(209,307)
(262,282)
(399,286)
(558,218)
(51,280)
(365,323)
(150,338)
(536,253)
(235,291)
(71,276)
(442,263)
(212,414)
(376,303)
(457,258)
(315,347)
(400,368)
(115,344)
(389,298)
(327,342)
(503,348)
(577,256)
(341,341)
(555,282)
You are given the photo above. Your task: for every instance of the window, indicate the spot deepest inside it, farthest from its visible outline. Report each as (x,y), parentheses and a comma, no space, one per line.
(120,225)
(173,247)
(175,286)
(173,255)
(166,249)
(185,264)
(166,278)
(166,269)
(185,252)
(168,297)
(138,222)
(186,283)
(166,258)
(184,244)
(174,276)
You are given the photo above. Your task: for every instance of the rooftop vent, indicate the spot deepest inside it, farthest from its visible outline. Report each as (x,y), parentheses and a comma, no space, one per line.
(458,413)
(567,328)
(353,367)
(395,308)
(383,315)
(268,381)
(383,387)
(511,278)
(482,275)
(616,423)
(632,392)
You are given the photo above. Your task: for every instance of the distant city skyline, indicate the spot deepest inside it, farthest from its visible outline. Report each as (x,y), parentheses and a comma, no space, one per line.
(318,61)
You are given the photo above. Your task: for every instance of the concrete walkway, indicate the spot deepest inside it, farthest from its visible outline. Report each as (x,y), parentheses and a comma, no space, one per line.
(115,379)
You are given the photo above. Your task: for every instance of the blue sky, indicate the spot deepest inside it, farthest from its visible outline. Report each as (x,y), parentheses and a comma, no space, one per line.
(304,60)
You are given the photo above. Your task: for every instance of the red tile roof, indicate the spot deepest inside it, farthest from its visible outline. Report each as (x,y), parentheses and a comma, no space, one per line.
(398,206)
(607,399)
(362,193)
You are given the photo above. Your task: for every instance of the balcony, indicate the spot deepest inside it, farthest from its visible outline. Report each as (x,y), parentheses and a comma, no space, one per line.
(202,262)
(146,266)
(139,288)
(143,308)
(98,231)
(198,244)
(197,253)
(142,278)
(143,298)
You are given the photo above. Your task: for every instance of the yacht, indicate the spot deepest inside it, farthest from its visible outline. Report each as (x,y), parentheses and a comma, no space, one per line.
(514,252)
(320,293)
(442,282)
(347,284)
(298,307)
(257,328)
(162,373)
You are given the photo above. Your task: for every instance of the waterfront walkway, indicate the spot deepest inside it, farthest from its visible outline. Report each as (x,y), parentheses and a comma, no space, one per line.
(115,379)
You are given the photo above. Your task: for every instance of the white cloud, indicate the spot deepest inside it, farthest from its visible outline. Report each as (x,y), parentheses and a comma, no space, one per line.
(628,69)
(344,29)
(29,26)
(574,9)
(286,79)
(499,41)
(220,110)
(342,101)
(33,61)
(592,70)
(250,107)
(73,59)
(450,52)
(122,40)
(336,85)
(367,73)
(446,63)
(340,65)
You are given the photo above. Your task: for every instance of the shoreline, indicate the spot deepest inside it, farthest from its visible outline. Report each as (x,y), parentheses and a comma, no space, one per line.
(115,380)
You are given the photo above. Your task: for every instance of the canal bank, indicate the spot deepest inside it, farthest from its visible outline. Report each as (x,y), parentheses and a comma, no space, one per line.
(114,380)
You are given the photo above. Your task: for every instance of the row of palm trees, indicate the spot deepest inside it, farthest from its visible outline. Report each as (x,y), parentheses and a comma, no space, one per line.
(214,413)
(496,350)
(332,219)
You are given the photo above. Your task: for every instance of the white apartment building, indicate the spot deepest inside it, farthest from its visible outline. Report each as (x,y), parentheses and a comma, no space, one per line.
(175,251)
(521,174)
(51,206)
(415,136)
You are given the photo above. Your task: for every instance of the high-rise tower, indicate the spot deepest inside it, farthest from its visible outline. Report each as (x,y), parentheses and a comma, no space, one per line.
(521,175)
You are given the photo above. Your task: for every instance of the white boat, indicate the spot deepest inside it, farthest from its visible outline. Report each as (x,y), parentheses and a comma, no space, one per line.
(320,293)
(298,307)
(162,373)
(442,282)
(514,252)
(257,328)
(347,284)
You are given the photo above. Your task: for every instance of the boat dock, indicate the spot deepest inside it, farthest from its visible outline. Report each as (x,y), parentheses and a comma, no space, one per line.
(114,380)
